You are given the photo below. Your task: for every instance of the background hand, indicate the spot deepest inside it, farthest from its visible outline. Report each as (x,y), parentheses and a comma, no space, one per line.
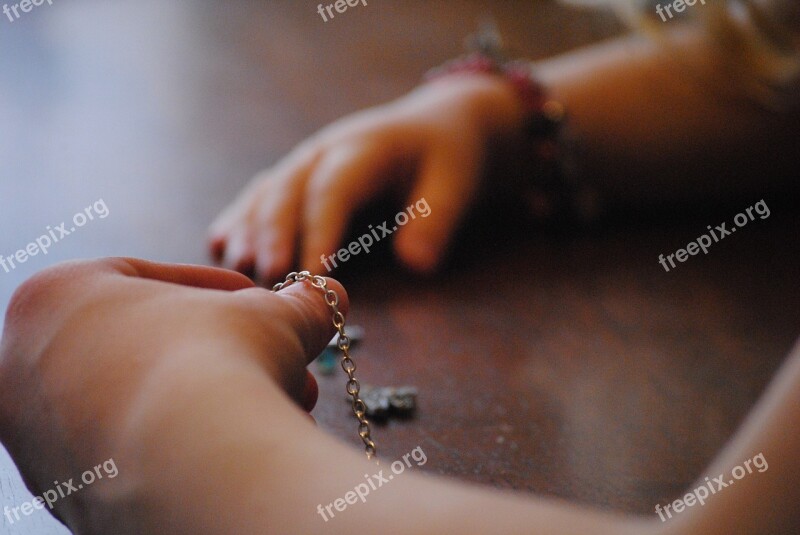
(430,143)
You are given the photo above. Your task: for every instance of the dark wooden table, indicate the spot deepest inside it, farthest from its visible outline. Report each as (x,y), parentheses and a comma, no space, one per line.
(566,364)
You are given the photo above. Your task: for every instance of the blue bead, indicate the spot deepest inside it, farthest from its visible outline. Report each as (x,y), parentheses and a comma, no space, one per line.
(327,360)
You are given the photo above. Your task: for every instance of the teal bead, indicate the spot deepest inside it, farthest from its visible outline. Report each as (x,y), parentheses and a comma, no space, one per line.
(327,360)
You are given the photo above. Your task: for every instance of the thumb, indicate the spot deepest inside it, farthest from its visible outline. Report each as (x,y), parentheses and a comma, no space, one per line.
(446,187)
(296,325)
(310,313)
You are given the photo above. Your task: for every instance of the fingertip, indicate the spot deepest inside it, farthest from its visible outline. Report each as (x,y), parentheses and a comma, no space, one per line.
(272,263)
(218,235)
(312,313)
(216,247)
(316,296)
(239,255)
(418,252)
(310,392)
(246,265)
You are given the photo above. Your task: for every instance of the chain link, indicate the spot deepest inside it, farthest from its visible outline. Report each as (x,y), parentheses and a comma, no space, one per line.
(352,387)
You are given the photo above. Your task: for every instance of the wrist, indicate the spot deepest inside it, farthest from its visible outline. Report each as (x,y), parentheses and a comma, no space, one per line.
(518,103)
(542,116)
(491,101)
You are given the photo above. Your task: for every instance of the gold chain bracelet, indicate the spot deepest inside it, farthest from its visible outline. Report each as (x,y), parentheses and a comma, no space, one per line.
(343,343)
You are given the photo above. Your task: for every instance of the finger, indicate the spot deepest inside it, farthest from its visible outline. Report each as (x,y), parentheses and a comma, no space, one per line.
(342,182)
(309,314)
(278,220)
(183,274)
(234,236)
(240,253)
(447,185)
(234,216)
(71,283)
(220,229)
(276,236)
(297,326)
(216,246)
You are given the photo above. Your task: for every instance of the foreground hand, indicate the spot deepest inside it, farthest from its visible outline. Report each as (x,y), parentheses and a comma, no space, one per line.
(130,359)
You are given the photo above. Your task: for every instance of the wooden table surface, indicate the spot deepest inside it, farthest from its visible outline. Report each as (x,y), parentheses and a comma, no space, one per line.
(566,364)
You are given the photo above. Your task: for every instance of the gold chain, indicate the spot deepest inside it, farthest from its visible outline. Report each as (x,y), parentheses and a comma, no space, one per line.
(348,365)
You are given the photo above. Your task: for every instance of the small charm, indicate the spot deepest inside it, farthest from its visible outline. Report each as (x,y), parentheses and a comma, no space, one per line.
(328,360)
(386,401)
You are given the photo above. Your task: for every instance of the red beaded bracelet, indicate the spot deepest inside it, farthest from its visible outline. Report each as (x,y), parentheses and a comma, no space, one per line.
(544,115)
(550,191)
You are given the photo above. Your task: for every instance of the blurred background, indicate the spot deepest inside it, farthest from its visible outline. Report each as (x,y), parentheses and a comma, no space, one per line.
(568,368)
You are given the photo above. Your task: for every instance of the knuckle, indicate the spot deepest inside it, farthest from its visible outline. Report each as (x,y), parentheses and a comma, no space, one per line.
(49,286)
(324,184)
(38,290)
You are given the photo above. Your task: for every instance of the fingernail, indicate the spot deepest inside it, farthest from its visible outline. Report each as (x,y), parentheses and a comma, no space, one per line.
(310,393)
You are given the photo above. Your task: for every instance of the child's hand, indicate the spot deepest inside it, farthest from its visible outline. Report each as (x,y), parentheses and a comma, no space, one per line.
(158,367)
(436,135)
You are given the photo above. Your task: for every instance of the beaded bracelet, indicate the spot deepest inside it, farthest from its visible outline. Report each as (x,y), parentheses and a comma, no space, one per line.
(554,189)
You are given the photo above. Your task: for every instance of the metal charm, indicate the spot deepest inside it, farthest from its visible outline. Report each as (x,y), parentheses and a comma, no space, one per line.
(386,401)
